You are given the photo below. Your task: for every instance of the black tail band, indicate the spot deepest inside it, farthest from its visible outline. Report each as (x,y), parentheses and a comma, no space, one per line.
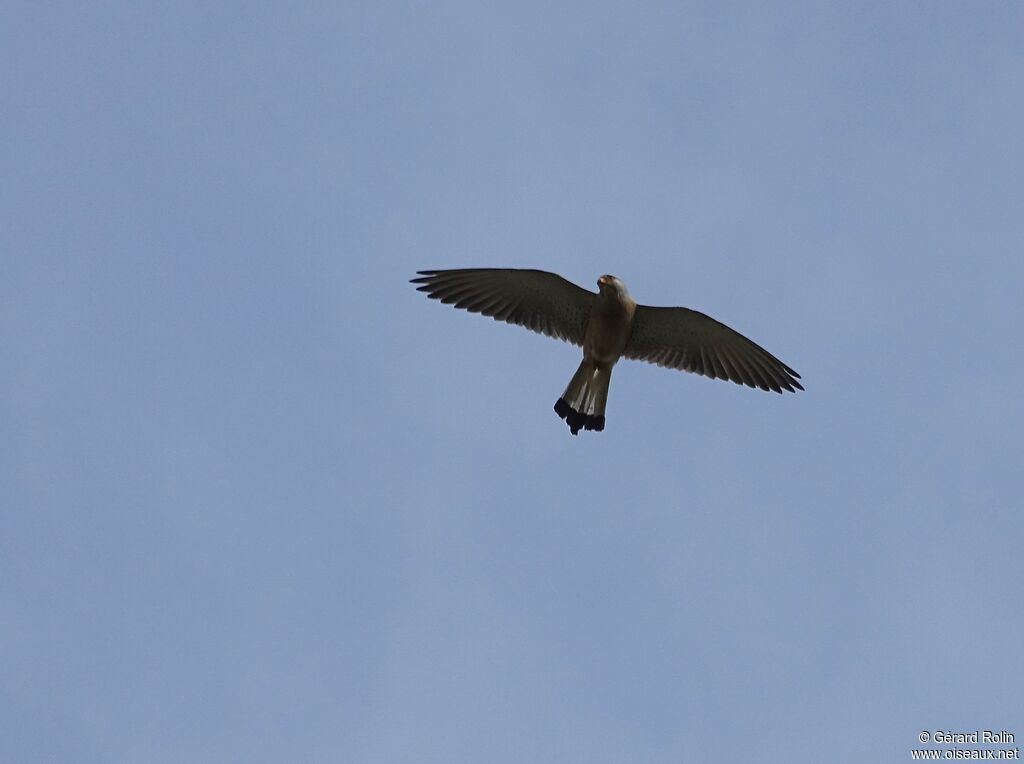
(578,420)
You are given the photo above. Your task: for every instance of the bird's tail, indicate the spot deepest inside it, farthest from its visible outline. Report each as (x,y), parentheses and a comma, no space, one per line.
(582,404)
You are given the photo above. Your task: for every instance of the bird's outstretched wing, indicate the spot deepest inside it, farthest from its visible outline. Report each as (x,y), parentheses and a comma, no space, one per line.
(680,338)
(540,301)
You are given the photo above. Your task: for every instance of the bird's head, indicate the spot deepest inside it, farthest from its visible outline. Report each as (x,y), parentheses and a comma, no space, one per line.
(609,284)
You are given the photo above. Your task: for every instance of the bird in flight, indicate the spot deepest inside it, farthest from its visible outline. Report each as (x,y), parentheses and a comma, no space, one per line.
(608,325)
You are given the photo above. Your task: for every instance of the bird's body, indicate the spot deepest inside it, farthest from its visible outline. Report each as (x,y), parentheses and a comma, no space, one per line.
(583,403)
(611,318)
(608,325)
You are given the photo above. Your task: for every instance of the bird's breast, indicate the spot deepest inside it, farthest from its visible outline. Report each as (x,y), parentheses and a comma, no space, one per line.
(607,331)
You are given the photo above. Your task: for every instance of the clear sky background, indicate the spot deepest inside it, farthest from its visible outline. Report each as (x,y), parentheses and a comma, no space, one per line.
(262,501)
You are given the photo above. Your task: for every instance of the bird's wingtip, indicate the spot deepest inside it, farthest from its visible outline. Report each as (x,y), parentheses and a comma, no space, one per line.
(426,276)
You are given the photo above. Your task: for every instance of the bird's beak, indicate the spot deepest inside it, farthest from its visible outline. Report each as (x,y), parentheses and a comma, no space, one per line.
(602,281)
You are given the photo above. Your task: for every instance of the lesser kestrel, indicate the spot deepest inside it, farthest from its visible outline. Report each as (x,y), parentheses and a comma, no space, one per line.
(608,325)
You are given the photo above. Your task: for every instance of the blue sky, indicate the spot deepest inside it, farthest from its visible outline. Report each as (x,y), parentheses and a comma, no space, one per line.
(261,501)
